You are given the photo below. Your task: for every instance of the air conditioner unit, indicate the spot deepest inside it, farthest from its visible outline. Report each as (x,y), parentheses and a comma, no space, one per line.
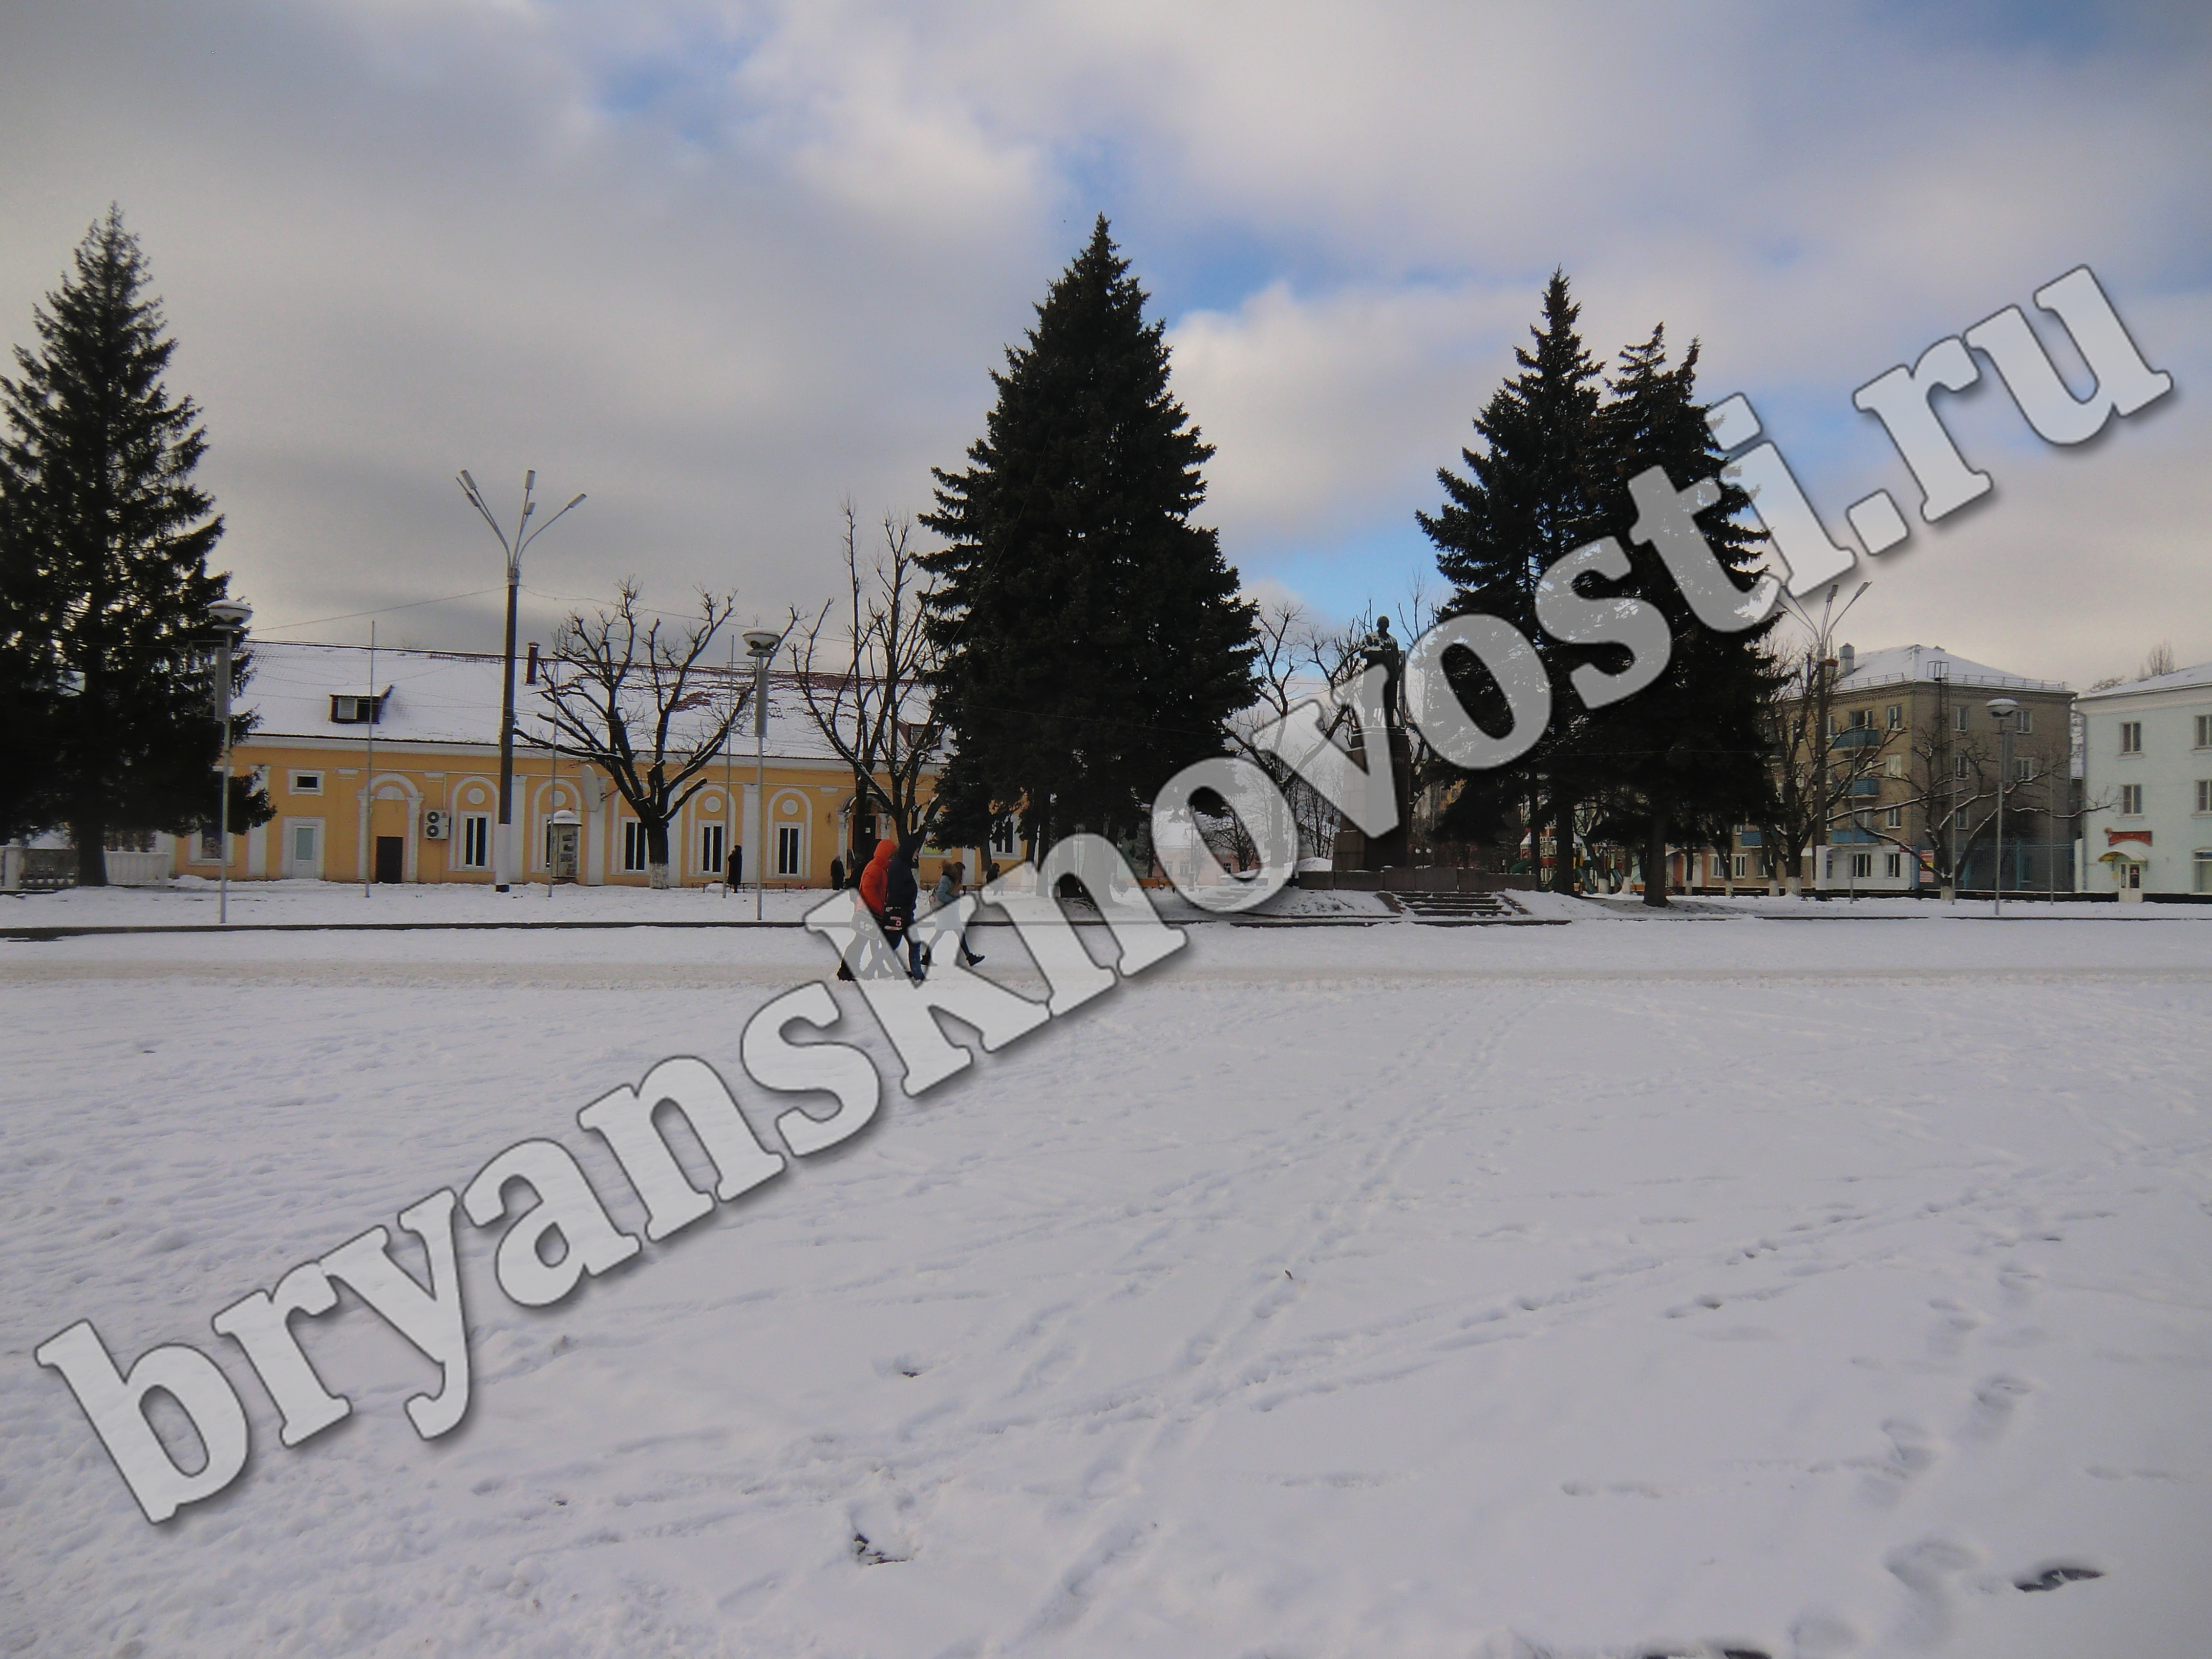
(434,825)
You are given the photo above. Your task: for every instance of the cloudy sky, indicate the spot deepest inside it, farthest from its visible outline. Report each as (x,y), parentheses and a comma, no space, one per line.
(723,265)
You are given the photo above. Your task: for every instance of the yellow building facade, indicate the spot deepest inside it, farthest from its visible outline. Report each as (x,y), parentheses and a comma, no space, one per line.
(412,794)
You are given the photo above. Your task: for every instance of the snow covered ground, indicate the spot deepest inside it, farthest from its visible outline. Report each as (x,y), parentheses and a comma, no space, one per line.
(1744,1287)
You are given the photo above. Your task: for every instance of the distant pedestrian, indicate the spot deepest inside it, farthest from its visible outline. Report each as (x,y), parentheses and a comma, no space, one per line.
(736,870)
(837,874)
(990,873)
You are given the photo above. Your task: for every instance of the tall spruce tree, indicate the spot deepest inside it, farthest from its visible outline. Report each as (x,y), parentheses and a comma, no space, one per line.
(104,543)
(1534,492)
(1683,759)
(1093,642)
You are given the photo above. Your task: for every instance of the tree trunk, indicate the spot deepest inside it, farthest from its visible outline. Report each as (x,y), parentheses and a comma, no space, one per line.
(656,853)
(1563,844)
(1655,861)
(656,875)
(90,836)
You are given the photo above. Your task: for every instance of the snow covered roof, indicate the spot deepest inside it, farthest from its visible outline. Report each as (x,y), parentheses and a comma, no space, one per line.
(450,697)
(1896,664)
(2182,679)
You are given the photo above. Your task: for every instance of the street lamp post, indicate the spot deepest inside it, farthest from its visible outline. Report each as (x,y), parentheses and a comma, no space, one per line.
(761,643)
(230,617)
(2002,709)
(503,859)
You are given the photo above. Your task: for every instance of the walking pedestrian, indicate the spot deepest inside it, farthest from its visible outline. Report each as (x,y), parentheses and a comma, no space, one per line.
(901,892)
(947,893)
(872,885)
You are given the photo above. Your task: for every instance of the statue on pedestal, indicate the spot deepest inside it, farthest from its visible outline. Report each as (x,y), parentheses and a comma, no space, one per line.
(1383,650)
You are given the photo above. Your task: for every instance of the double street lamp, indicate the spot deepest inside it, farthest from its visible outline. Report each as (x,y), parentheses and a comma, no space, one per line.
(503,858)
(230,617)
(2002,709)
(761,643)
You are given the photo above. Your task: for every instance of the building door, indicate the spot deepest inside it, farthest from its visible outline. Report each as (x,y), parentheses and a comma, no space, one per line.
(303,848)
(392,858)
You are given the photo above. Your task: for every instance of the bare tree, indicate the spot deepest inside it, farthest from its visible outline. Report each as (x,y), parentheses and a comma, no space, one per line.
(877,710)
(640,701)
(2159,661)
(1818,760)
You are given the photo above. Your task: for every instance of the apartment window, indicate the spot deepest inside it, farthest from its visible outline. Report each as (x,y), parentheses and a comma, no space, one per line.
(1893,766)
(2132,737)
(2024,721)
(1894,716)
(1003,844)
(1893,818)
(1892,865)
(1862,866)
(210,844)
(1739,865)
(1835,724)
(356,711)
(2204,795)
(1959,766)
(1959,718)
(2131,801)
(786,850)
(633,845)
(711,861)
(2204,730)
(306,783)
(475,842)
(2023,768)
(1862,719)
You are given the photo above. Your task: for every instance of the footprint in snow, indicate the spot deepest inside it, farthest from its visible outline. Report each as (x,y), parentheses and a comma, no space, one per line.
(2051,1578)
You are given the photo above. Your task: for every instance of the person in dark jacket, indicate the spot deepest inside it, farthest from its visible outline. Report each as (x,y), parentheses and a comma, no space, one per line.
(837,874)
(901,892)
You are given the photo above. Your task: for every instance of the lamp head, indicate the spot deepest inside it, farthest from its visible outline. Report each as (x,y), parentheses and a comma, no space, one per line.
(2000,706)
(762,640)
(230,613)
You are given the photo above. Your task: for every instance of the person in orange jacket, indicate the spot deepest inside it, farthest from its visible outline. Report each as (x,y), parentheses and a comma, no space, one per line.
(871,885)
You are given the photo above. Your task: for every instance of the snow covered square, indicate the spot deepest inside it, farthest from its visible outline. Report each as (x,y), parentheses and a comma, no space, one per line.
(1809,1284)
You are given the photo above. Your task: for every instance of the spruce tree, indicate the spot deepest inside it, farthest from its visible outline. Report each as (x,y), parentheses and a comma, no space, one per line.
(1683,760)
(104,543)
(1092,640)
(1534,493)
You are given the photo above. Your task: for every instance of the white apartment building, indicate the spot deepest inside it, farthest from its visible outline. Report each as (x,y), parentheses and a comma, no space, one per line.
(2147,785)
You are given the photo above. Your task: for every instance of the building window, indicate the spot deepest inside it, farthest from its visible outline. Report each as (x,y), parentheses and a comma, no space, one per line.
(1959,718)
(1003,844)
(1862,866)
(210,844)
(1892,865)
(2024,721)
(633,845)
(356,711)
(2131,801)
(2204,730)
(1958,766)
(710,849)
(1862,719)
(2204,795)
(1893,818)
(475,842)
(306,783)
(2023,768)
(786,850)
(2132,737)
(1739,865)
(2204,863)
(1894,715)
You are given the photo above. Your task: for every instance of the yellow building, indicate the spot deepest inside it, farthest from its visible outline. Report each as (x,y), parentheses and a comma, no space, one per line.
(412,793)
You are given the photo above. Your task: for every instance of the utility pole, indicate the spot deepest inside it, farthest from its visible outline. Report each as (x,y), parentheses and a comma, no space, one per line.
(230,617)
(503,859)
(368,777)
